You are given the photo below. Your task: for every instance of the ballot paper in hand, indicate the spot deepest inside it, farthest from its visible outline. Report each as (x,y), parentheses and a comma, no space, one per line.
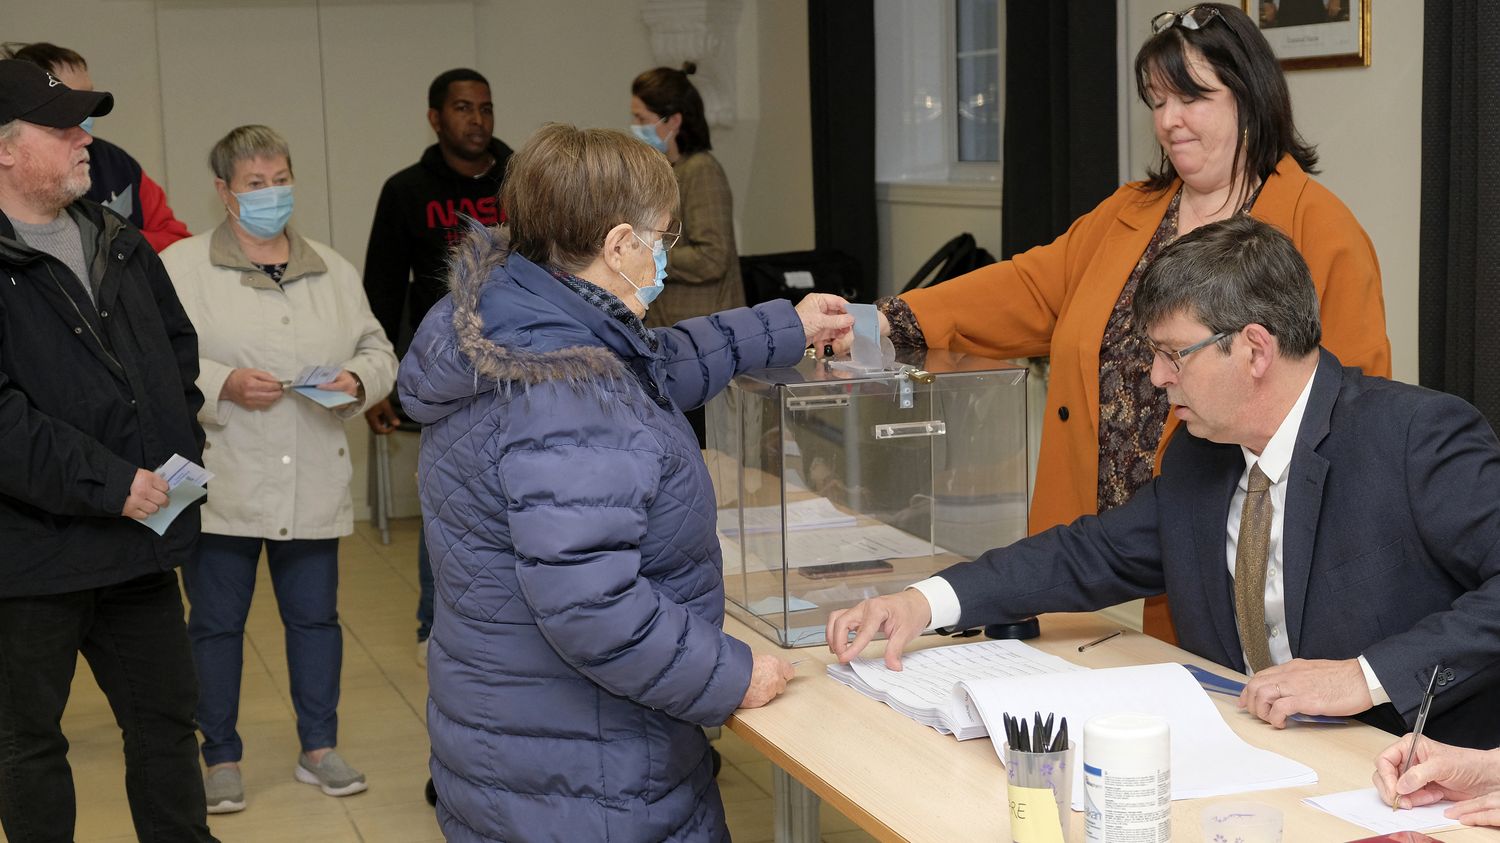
(868,350)
(306,385)
(185,484)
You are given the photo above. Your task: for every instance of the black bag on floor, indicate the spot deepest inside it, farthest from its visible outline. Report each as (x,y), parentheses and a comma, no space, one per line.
(792,275)
(958,256)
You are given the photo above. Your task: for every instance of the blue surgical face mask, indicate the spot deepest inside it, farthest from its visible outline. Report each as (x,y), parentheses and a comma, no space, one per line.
(87,125)
(647,135)
(648,293)
(264,212)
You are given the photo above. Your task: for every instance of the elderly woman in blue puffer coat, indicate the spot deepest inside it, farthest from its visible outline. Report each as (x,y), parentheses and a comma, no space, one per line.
(578,644)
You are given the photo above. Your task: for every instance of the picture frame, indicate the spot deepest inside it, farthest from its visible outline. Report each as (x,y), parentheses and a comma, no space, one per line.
(1306,34)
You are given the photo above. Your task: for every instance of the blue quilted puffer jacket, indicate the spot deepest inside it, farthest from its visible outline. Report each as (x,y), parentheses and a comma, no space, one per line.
(578,643)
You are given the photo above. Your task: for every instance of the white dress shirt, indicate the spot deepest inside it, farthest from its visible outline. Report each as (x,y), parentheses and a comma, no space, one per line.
(1275,461)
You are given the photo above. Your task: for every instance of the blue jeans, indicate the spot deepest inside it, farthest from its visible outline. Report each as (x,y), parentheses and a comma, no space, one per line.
(305,575)
(424,585)
(132,636)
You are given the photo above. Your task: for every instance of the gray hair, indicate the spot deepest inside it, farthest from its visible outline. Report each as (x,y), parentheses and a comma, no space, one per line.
(9,129)
(1230,274)
(244,143)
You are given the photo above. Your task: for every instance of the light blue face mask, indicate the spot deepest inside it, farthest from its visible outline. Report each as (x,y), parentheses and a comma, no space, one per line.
(648,293)
(264,212)
(87,125)
(648,136)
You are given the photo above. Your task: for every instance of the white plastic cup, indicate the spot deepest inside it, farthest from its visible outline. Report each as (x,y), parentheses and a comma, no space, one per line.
(1250,822)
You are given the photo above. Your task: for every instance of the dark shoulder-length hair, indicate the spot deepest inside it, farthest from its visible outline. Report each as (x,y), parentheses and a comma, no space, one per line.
(1244,63)
(667,91)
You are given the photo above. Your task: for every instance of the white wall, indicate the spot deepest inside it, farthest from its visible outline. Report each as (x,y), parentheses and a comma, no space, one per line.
(346,82)
(1367,125)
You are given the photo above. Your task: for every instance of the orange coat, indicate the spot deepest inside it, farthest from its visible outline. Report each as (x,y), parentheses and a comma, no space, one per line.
(1055,300)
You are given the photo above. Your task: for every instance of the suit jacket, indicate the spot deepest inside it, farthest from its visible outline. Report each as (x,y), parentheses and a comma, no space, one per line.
(1056,300)
(1391,548)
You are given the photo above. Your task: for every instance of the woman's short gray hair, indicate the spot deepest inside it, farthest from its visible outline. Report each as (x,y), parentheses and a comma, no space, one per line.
(1231,274)
(244,143)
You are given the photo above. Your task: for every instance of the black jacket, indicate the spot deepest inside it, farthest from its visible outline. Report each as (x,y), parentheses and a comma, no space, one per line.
(416,222)
(88,395)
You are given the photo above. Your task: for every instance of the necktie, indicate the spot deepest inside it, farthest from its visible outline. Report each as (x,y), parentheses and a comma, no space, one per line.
(1250,570)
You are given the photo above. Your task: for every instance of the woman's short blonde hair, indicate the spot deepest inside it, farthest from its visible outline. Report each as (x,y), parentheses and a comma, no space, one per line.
(244,143)
(567,187)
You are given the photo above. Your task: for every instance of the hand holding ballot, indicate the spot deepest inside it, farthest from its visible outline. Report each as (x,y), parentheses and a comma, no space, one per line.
(252,389)
(148,493)
(1470,777)
(1306,686)
(901,616)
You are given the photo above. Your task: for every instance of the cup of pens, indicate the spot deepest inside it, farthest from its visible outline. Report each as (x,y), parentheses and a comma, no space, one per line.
(1039,779)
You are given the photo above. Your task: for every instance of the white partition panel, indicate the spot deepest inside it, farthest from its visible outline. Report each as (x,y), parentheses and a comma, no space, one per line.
(225,64)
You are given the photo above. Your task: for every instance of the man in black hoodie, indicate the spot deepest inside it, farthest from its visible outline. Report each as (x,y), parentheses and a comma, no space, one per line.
(417,218)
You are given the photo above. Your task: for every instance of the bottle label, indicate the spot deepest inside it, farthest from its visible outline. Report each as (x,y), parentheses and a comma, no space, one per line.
(1127,806)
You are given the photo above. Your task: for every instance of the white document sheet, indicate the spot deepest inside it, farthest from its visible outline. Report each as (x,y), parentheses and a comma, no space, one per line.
(1208,758)
(810,514)
(1363,807)
(806,547)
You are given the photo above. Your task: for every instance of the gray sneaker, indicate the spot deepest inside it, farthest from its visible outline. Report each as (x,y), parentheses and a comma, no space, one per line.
(335,777)
(224,790)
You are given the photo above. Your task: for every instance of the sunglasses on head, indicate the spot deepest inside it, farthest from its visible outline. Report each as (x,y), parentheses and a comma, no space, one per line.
(1195,18)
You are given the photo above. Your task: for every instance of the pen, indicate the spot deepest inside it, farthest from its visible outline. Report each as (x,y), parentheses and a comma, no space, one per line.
(1100,640)
(1416,733)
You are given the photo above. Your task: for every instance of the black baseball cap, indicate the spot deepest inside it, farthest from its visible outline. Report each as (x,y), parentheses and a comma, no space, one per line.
(27,92)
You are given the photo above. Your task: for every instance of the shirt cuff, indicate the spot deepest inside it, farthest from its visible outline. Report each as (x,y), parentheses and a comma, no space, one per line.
(1378,696)
(941,598)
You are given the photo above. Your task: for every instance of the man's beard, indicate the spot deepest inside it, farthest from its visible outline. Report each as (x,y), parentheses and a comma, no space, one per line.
(53,191)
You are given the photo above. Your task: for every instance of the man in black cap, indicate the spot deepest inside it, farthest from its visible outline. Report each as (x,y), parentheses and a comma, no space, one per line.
(97,370)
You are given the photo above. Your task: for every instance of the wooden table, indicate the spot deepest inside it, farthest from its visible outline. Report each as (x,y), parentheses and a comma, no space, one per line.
(902,781)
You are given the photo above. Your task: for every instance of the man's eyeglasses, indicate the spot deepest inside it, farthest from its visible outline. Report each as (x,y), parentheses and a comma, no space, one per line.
(1195,18)
(670,238)
(1175,357)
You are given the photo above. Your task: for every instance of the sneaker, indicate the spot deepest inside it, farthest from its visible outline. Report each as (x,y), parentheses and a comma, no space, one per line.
(335,777)
(422,653)
(225,791)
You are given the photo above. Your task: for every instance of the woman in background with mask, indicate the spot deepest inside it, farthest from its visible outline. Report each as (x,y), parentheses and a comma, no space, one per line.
(703,271)
(269,304)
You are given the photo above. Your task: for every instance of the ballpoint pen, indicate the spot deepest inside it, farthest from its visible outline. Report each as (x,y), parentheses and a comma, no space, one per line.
(1100,640)
(1416,733)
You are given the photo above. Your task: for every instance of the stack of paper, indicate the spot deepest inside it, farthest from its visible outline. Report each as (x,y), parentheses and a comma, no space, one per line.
(924,689)
(1208,758)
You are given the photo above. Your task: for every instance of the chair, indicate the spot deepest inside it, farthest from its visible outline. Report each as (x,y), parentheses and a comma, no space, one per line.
(382,501)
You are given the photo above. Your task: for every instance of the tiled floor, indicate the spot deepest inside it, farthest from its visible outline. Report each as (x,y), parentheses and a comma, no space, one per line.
(382,728)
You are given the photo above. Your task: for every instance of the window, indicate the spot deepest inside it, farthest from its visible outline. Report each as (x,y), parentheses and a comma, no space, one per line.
(939,90)
(976,34)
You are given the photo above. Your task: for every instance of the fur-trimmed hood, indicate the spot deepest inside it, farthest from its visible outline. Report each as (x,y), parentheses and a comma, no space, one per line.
(505,324)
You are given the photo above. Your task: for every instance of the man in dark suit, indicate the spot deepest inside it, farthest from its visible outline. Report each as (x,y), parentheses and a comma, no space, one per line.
(1335,534)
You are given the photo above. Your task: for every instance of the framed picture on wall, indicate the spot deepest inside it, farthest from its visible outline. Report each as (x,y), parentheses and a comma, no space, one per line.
(1314,33)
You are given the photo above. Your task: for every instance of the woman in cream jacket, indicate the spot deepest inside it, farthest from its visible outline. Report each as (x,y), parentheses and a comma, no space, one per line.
(268,304)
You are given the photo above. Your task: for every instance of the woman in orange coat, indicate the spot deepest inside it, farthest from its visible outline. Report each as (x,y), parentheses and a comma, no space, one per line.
(1223,117)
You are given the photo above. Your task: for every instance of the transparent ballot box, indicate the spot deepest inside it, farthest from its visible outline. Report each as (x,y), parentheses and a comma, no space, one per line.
(834,486)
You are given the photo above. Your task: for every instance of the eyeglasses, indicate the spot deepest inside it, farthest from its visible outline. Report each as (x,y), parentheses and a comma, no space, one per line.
(670,238)
(1175,357)
(1195,18)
